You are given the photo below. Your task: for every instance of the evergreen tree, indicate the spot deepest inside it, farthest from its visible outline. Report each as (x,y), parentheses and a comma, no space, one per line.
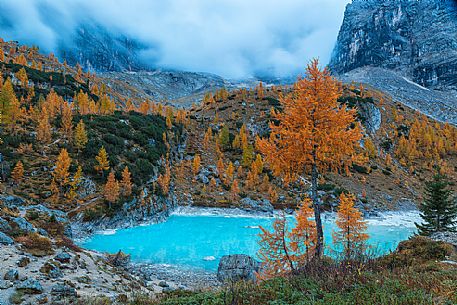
(439,210)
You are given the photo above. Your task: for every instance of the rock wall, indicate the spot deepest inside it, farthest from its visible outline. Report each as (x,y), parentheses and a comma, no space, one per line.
(416,37)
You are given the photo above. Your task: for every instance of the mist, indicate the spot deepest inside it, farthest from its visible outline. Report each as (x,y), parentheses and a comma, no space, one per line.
(232,38)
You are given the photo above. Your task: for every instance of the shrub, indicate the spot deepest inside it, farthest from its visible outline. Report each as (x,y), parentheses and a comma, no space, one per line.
(36,244)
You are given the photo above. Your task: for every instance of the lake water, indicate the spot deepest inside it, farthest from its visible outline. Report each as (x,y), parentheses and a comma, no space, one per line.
(199,238)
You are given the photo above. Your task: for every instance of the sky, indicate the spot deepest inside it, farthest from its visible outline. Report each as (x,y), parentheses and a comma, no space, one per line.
(231,38)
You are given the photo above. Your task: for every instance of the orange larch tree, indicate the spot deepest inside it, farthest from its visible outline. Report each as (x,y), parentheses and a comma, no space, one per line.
(126,182)
(111,190)
(80,139)
(196,165)
(102,161)
(18,173)
(303,237)
(282,251)
(61,171)
(67,121)
(315,133)
(44,127)
(275,250)
(352,228)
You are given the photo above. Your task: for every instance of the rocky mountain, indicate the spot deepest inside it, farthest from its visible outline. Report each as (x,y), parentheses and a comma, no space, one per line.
(183,88)
(95,48)
(415,37)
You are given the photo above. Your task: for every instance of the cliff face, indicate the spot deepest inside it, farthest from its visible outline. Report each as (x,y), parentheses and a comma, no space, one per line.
(94,48)
(418,38)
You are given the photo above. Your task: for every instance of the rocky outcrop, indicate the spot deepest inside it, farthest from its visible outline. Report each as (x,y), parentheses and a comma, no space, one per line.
(447,237)
(183,88)
(416,37)
(251,205)
(237,267)
(5,239)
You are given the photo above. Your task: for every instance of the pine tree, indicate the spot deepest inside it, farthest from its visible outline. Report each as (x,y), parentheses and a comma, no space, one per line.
(352,227)
(126,182)
(439,210)
(80,139)
(18,173)
(102,161)
(111,190)
(224,138)
(315,133)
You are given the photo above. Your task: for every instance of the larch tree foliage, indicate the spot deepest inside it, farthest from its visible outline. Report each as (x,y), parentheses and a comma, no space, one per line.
(275,250)
(102,161)
(303,238)
(80,139)
(315,134)
(196,165)
(44,127)
(284,251)
(111,190)
(126,182)
(8,101)
(352,234)
(439,210)
(67,121)
(18,173)
(22,77)
(61,172)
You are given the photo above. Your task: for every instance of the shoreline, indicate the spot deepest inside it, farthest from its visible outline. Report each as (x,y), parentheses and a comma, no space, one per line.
(188,277)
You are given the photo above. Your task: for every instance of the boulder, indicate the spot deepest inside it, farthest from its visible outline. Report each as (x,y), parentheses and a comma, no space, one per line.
(11,202)
(163,284)
(23,261)
(62,290)
(5,285)
(63,257)
(4,225)
(5,239)
(237,267)
(51,269)
(11,275)
(23,225)
(31,286)
(262,205)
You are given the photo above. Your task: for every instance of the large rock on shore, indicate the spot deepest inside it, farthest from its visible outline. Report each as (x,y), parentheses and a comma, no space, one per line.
(263,205)
(5,239)
(237,267)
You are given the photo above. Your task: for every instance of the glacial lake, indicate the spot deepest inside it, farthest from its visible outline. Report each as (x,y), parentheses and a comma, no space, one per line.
(199,238)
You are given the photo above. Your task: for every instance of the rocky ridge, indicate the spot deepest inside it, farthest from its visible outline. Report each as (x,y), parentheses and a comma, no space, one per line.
(415,37)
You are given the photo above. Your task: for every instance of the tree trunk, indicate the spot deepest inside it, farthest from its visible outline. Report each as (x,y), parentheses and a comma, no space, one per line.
(317,210)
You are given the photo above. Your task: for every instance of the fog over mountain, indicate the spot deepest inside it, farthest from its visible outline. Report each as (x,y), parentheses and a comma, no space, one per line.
(232,38)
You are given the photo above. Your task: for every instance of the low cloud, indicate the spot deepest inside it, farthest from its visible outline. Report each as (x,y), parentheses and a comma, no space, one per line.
(232,38)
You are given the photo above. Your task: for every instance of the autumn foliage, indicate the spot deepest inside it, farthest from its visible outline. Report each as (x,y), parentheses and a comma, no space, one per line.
(284,251)
(352,228)
(314,133)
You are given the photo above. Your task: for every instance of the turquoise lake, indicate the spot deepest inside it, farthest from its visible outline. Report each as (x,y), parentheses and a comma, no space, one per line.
(199,241)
